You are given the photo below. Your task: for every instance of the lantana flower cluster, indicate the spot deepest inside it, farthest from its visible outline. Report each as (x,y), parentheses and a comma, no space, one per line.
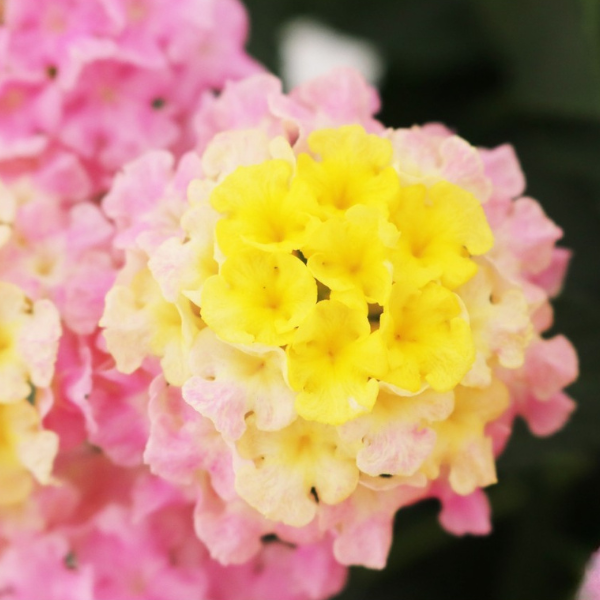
(352,316)
(231,360)
(87,86)
(84,87)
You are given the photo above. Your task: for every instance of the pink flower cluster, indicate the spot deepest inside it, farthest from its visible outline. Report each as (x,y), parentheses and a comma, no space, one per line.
(109,532)
(84,88)
(88,86)
(120,488)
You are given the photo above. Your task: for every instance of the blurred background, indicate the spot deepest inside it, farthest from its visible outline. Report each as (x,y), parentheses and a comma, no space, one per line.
(526,72)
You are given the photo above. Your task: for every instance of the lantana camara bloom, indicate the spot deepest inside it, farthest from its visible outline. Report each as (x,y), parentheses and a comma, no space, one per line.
(357,311)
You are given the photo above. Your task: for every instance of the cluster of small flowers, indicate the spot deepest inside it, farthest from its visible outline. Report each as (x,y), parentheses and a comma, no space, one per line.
(88,86)
(85,87)
(348,319)
(280,324)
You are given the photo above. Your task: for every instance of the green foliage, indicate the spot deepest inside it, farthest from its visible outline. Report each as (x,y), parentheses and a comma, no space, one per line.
(527,72)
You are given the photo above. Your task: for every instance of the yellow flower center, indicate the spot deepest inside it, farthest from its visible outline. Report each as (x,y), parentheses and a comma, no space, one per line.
(351,273)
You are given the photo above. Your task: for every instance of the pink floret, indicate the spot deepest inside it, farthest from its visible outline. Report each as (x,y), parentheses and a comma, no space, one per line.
(106,81)
(109,533)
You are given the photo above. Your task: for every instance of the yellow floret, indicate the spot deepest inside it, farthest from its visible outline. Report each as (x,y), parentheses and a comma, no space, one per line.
(440,227)
(462,445)
(29,334)
(354,169)
(427,339)
(288,471)
(138,321)
(258,297)
(262,209)
(26,451)
(13,311)
(332,362)
(349,255)
(8,331)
